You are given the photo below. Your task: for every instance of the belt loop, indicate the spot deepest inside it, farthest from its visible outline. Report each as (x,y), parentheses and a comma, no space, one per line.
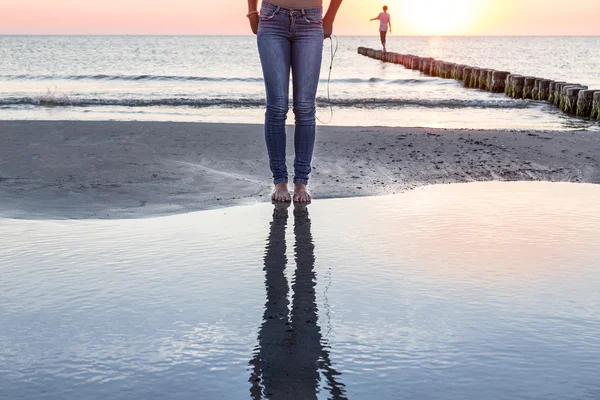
(277,10)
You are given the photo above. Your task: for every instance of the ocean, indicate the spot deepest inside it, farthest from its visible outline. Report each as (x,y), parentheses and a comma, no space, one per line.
(219,79)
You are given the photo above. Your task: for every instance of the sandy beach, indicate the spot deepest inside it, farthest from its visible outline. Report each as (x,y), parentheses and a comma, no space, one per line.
(70,169)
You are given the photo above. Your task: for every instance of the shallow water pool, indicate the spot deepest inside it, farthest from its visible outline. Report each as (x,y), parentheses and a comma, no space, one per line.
(470,291)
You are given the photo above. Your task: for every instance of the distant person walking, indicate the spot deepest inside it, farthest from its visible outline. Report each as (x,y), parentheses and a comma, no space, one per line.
(385,19)
(290,39)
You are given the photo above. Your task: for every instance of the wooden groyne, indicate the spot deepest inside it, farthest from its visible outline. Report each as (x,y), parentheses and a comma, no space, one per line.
(572,99)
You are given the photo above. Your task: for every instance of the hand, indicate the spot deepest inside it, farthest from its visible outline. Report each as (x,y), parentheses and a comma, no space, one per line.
(327,27)
(254,20)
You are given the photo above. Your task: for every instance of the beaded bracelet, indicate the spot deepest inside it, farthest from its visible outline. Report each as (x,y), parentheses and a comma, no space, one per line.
(251,13)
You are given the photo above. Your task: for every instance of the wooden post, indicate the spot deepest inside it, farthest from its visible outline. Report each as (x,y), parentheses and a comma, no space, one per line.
(407,60)
(483,74)
(543,90)
(453,71)
(423,64)
(585,101)
(596,106)
(528,87)
(558,92)
(467,76)
(415,63)
(436,67)
(426,65)
(536,89)
(410,62)
(563,94)
(569,104)
(498,81)
(442,69)
(447,70)
(508,85)
(489,80)
(399,58)
(460,70)
(474,83)
(517,84)
(551,91)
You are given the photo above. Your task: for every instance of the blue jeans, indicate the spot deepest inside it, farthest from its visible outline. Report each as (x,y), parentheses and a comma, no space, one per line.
(290,39)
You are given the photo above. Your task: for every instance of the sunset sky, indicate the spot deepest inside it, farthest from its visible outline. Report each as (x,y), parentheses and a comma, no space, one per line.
(227,17)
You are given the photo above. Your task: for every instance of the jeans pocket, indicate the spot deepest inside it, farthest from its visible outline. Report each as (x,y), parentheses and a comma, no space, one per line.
(267,15)
(315,19)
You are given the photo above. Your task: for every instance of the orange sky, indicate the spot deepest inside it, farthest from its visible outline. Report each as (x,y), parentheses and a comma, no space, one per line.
(227,17)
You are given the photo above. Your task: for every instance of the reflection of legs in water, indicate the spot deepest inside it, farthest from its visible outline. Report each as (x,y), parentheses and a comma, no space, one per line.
(291,353)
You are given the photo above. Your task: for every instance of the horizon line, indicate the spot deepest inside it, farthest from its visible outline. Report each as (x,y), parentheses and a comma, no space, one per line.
(250,35)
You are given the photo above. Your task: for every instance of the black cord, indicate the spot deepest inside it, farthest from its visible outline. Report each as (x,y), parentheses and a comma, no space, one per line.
(333,53)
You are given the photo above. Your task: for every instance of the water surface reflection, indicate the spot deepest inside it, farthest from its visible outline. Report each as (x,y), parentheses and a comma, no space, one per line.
(291,354)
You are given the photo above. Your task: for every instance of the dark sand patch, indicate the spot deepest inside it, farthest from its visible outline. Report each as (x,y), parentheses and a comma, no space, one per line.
(72,169)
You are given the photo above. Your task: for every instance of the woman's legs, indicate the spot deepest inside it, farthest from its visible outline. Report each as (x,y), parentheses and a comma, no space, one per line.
(383,35)
(290,40)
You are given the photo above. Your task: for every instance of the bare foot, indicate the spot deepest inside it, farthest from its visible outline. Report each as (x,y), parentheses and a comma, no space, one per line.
(281,192)
(301,194)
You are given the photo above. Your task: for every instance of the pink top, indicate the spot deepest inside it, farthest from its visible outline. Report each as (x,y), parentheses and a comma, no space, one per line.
(384,20)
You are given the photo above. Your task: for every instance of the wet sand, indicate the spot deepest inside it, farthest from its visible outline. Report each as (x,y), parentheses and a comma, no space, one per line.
(73,169)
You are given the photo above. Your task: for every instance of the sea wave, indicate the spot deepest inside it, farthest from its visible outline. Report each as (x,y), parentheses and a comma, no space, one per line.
(105,77)
(177,78)
(64,101)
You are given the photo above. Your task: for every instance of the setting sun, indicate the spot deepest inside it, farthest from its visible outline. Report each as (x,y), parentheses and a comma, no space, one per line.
(438,17)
